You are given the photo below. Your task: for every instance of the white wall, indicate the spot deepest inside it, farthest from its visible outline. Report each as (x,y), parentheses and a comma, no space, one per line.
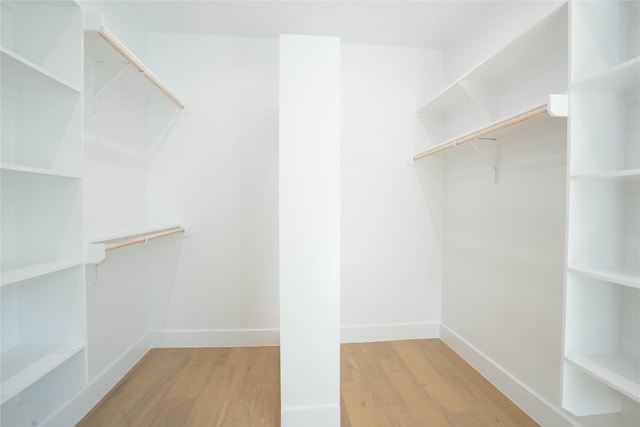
(391,241)
(504,256)
(217,171)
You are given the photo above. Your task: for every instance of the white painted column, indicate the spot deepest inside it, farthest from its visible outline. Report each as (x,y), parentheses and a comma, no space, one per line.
(310,230)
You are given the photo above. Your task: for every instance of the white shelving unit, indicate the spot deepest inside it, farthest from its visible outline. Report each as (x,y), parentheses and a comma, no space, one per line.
(602,306)
(518,77)
(42,274)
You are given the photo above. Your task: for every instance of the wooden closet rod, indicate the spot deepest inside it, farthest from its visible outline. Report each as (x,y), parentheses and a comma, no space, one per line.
(137,64)
(128,241)
(528,115)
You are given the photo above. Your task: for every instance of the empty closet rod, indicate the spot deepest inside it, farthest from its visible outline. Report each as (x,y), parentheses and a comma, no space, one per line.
(128,241)
(137,64)
(531,114)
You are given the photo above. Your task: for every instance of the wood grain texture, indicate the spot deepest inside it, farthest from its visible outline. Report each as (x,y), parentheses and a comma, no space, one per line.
(397,383)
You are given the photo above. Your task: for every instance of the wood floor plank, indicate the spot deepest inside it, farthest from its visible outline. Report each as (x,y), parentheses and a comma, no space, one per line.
(398,383)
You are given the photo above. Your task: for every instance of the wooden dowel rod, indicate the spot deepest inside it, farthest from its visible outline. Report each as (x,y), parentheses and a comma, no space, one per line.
(141,239)
(115,43)
(531,114)
(138,65)
(153,79)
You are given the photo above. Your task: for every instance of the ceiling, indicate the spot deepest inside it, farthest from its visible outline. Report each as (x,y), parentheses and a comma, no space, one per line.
(427,24)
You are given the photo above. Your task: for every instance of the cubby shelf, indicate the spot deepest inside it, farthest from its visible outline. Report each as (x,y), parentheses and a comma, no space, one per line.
(602,304)
(619,175)
(17,170)
(623,77)
(25,364)
(616,370)
(618,276)
(42,359)
(20,73)
(19,274)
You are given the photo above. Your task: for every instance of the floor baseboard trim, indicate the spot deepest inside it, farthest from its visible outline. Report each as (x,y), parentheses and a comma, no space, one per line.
(316,416)
(389,332)
(215,338)
(83,402)
(538,408)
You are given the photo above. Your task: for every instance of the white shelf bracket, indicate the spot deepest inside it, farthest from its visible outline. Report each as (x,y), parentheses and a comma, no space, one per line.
(482,94)
(492,163)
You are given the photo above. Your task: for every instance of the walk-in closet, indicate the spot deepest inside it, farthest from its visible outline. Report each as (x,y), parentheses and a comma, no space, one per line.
(381,212)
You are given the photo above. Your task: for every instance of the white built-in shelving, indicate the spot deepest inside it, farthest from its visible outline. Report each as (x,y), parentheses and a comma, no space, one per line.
(42,274)
(514,80)
(602,306)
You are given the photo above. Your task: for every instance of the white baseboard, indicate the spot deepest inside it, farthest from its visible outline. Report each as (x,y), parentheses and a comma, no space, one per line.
(310,416)
(389,332)
(84,401)
(264,337)
(215,338)
(538,408)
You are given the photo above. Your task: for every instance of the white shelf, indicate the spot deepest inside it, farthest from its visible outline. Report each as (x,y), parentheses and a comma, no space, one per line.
(17,170)
(20,273)
(621,78)
(620,276)
(525,49)
(621,175)
(25,364)
(539,118)
(22,74)
(617,371)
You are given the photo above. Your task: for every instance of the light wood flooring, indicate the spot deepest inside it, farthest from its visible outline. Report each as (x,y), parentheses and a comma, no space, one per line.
(396,383)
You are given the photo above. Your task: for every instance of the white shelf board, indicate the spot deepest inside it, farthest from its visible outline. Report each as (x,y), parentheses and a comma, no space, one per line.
(618,371)
(20,273)
(22,74)
(450,97)
(528,126)
(520,52)
(13,169)
(23,365)
(619,276)
(621,78)
(620,175)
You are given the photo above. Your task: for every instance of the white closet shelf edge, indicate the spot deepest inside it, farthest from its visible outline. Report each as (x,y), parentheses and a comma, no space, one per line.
(15,275)
(556,107)
(619,277)
(26,364)
(617,371)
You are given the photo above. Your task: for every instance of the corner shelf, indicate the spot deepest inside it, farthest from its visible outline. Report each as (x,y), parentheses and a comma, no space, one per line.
(22,366)
(475,85)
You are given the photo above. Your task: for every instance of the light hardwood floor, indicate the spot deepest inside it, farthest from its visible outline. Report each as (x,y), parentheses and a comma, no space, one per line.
(396,383)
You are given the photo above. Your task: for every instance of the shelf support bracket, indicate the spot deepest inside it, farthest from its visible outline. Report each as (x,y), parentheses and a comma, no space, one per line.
(493,163)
